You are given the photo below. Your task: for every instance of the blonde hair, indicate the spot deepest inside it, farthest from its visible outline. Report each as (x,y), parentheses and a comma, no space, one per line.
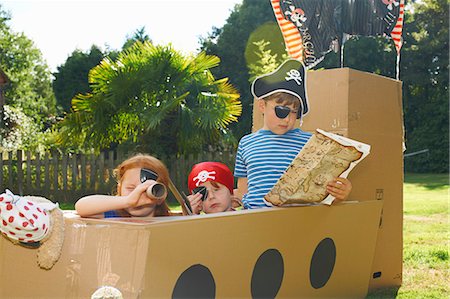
(151,163)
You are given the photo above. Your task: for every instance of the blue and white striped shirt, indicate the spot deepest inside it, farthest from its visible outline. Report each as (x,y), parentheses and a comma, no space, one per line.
(262,158)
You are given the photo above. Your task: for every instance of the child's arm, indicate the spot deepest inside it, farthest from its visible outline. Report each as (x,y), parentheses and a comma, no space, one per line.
(96,205)
(340,188)
(242,188)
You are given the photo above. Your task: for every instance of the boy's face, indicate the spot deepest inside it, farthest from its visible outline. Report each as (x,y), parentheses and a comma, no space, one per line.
(219,198)
(274,123)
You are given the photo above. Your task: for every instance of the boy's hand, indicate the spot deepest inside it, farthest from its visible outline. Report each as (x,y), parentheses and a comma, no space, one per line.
(236,202)
(196,202)
(340,188)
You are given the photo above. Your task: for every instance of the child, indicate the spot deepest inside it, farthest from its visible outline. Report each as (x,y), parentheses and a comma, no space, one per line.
(211,185)
(131,198)
(263,156)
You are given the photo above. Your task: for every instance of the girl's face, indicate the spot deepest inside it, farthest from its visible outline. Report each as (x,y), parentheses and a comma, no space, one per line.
(131,178)
(272,122)
(219,198)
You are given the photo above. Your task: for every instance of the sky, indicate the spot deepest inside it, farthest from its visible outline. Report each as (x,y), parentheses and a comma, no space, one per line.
(58,27)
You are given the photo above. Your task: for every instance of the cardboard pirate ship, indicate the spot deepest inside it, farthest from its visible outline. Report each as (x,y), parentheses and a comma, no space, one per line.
(308,251)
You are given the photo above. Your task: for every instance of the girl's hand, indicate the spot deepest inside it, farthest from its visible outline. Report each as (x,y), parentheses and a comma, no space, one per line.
(138,197)
(340,188)
(196,202)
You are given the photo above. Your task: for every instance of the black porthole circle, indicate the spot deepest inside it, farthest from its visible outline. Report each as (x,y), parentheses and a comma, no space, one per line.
(195,282)
(322,263)
(267,274)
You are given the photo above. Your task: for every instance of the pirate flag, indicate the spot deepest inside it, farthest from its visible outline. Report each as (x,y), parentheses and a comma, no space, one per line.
(312,28)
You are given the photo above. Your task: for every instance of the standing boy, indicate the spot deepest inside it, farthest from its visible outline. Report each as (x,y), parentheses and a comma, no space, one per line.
(263,156)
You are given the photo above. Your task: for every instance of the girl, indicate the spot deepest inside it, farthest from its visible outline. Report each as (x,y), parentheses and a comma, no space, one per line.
(132,198)
(211,185)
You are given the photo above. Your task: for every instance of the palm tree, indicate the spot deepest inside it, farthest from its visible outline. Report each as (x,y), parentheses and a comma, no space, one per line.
(153,96)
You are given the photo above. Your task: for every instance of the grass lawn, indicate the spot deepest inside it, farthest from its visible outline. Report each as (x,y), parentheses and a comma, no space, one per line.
(426,263)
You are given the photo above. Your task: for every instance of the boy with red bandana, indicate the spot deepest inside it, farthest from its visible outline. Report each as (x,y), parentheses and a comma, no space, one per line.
(211,186)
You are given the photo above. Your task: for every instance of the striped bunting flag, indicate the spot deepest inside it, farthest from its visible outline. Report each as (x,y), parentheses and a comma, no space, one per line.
(396,33)
(291,35)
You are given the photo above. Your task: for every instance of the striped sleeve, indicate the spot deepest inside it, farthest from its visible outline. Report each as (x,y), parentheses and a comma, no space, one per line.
(263,157)
(240,169)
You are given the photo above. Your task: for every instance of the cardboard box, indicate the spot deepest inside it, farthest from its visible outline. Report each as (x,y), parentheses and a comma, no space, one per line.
(368,108)
(296,252)
(299,252)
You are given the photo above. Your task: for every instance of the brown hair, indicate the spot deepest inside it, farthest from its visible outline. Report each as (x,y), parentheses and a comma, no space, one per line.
(283,98)
(152,163)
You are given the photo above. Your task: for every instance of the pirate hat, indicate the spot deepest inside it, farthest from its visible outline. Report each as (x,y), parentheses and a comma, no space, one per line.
(289,77)
(210,171)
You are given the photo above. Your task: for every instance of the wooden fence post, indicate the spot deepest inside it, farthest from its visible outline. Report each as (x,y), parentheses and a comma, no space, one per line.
(83,172)
(64,172)
(55,162)
(38,182)
(92,172)
(28,175)
(19,172)
(101,174)
(46,175)
(74,171)
(1,172)
(10,170)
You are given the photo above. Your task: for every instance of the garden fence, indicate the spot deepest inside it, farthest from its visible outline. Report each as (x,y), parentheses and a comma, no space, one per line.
(66,177)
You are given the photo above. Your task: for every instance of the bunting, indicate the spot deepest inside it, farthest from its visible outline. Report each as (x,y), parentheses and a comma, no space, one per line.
(396,33)
(290,32)
(312,28)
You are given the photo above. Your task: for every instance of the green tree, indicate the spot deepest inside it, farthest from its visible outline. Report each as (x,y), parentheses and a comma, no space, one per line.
(139,35)
(153,95)
(265,61)
(425,75)
(230,43)
(71,78)
(29,94)
(30,87)
(21,132)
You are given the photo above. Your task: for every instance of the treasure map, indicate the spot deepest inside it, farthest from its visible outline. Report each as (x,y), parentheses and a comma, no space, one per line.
(324,157)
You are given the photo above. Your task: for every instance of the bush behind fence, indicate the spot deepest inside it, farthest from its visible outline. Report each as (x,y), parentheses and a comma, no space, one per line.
(65,178)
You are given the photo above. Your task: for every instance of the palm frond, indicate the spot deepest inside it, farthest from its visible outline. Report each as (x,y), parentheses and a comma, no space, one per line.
(149,87)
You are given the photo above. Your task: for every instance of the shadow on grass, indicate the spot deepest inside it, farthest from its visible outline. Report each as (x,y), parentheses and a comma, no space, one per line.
(430,181)
(383,293)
